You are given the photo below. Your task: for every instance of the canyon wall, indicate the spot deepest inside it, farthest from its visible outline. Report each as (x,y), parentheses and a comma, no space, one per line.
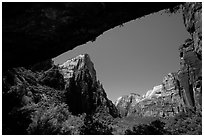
(190,73)
(179,91)
(164,100)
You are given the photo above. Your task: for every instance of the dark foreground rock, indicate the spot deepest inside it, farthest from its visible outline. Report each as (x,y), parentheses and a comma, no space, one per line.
(29,30)
(29,97)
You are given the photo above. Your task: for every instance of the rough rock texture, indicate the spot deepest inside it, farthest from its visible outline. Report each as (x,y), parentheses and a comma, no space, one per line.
(29,30)
(164,100)
(84,92)
(125,103)
(190,73)
(182,90)
(170,81)
(28,94)
(155,92)
(22,97)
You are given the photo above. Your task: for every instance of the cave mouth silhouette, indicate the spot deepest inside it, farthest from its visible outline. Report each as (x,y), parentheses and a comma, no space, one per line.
(50,27)
(115,51)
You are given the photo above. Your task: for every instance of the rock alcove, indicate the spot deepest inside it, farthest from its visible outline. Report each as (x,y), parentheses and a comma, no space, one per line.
(34,32)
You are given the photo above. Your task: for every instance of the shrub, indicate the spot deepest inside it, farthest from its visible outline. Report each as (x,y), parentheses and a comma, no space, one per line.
(53,78)
(48,119)
(189,123)
(154,128)
(93,126)
(73,125)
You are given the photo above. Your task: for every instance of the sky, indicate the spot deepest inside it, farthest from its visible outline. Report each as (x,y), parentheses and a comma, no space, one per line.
(135,57)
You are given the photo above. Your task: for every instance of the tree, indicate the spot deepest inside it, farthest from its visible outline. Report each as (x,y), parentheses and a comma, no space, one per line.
(189,123)
(156,127)
(93,126)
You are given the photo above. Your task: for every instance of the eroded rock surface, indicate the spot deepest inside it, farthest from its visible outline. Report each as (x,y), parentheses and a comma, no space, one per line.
(125,103)
(164,100)
(190,73)
(181,90)
(84,92)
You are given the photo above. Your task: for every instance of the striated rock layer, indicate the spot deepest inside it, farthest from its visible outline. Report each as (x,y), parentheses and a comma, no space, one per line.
(163,100)
(190,73)
(71,87)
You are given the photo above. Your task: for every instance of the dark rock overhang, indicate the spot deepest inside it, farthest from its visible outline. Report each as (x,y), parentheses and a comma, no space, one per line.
(34,32)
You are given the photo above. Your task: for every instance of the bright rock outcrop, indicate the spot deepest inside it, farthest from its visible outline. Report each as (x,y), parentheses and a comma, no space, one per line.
(84,93)
(163,100)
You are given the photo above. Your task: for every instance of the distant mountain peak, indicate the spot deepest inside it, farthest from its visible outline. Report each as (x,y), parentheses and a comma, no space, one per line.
(84,93)
(162,100)
(135,94)
(125,102)
(78,61)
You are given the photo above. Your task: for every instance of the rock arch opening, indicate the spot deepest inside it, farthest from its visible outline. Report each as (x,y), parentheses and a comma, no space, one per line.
(136,56)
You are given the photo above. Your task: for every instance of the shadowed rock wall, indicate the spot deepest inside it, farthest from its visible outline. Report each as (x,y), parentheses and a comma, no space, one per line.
(190,73)
(71,88)
(34,32)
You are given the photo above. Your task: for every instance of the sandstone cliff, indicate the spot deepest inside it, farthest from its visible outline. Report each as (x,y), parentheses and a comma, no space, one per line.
(84,92)
(125,103)
(182,90)
(190,73)
(163,100)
